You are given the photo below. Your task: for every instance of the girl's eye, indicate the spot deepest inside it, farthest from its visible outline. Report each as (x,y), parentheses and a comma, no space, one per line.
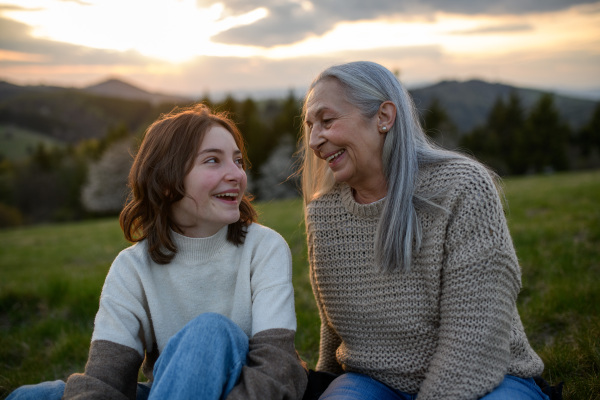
(240,162)
(211,160)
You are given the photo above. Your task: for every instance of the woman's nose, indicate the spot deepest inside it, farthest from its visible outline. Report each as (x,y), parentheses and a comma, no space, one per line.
(315,140)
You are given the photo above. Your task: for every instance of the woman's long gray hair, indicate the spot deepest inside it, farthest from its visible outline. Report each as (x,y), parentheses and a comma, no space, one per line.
(405,149)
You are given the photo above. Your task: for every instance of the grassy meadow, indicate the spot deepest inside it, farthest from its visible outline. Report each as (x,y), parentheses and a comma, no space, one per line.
(51,277)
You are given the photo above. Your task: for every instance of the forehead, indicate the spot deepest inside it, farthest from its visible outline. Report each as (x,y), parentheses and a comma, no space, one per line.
(217,137)
(326,94)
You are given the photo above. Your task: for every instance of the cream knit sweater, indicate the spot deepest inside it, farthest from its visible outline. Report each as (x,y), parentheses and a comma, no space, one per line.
(449,328)
(143,304)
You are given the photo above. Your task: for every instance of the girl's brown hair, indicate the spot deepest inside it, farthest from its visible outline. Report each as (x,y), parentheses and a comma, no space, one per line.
(156,178)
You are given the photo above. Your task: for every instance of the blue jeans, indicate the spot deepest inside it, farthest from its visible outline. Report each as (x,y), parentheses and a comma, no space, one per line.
(53,390)
(204,360)
(353,386)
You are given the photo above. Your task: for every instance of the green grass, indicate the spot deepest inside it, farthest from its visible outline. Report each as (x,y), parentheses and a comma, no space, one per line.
(555,224)
(51,277)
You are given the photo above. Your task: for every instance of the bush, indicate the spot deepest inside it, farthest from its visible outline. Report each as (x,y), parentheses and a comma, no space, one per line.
(10,216)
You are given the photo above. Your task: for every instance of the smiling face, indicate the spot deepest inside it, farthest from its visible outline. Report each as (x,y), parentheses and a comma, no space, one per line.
(214,186)
(350,143)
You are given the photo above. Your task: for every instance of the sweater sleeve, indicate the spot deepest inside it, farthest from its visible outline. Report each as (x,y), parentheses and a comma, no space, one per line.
(328,345)
(271,284)
(118,342)
(479,287)
(110,373)
(329,340)
(274,370)
(123,315)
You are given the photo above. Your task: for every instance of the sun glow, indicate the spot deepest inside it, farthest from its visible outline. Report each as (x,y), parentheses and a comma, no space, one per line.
(180,30)
(170,43)
(177,32)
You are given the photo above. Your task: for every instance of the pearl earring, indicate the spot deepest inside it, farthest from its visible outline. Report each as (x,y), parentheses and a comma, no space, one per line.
(384,128)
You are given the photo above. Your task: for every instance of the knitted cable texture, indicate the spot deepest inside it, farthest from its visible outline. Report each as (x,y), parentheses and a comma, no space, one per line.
(447,328)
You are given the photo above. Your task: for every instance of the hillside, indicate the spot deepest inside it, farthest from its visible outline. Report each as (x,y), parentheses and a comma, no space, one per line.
(118,88)
(468,103)
(70,115)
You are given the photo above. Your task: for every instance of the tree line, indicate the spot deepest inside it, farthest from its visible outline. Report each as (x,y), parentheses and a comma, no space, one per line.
(514,141)
(88,179)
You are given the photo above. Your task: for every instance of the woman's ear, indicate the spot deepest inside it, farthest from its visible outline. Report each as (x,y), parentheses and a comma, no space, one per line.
(386,116)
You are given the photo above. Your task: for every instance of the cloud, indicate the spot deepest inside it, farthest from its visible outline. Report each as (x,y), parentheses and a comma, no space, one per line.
(285,23)
(510,28)
(293,21)
(15,37)
(504,7)
(419,58)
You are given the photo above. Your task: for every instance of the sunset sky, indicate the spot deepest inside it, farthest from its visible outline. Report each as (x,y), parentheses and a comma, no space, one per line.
(195,47)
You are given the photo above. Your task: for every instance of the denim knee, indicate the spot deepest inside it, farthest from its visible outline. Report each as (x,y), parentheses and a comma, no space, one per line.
(213,322)
(353,385)
(214,325)
(203,359)
(515,388)
(52,390)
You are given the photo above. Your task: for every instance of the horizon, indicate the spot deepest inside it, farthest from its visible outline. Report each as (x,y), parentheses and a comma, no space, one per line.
(238,47)
(278,93)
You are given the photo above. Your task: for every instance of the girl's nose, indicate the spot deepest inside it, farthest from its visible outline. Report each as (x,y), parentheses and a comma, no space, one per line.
(235,172)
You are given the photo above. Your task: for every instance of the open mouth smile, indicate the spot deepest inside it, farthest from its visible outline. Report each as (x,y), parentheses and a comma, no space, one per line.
(335,155)
(227,196)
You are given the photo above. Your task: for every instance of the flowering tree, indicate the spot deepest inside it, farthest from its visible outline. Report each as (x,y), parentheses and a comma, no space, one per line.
(106,188)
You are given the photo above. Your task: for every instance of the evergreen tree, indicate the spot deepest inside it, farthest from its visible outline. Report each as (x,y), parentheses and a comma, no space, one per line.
(588,137)
(288,121)
(207,101)
(546,137)
(255,133)
(510,134)
(438,125)
(485,141)
(229,106)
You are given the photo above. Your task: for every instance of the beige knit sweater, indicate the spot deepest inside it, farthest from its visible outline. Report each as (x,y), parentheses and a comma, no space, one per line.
(449,328)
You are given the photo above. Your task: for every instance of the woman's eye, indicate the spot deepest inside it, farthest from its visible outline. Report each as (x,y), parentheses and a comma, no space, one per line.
(327,121)
(211,160)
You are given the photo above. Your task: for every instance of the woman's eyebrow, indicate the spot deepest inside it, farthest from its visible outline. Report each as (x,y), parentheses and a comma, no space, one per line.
(317,113)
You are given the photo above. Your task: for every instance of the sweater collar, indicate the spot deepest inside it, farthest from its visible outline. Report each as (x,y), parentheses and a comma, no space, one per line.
(199,250)
(360,210)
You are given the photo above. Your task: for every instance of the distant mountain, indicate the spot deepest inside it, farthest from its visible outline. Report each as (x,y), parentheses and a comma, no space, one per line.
(9,90)
(71,114)
(120,89)
(469,103)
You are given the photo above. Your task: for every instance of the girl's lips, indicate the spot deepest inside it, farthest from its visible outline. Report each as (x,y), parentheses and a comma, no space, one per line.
(229,196)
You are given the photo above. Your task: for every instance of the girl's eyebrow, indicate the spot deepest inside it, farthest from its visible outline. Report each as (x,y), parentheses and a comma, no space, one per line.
(219,151)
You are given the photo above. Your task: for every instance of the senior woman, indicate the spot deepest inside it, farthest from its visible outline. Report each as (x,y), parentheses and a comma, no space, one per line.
(411,261)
